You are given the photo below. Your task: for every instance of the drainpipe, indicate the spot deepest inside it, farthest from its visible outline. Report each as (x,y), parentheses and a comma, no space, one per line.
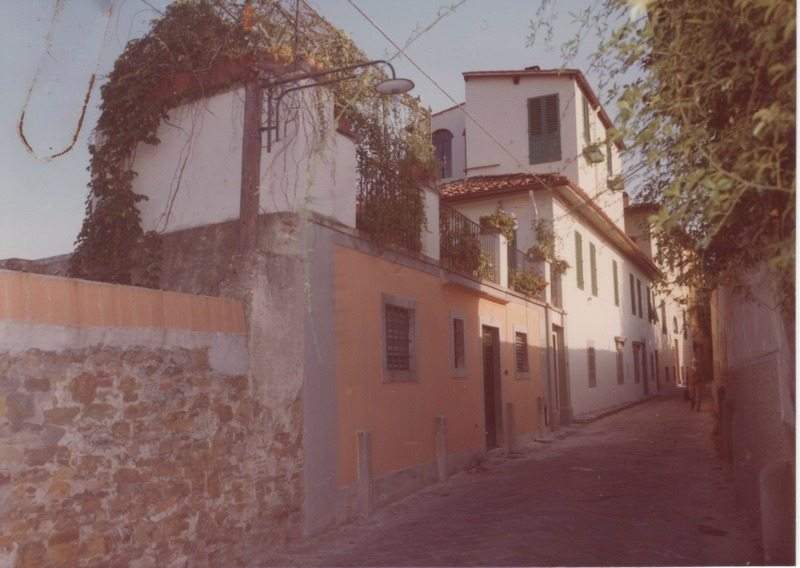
(549,358)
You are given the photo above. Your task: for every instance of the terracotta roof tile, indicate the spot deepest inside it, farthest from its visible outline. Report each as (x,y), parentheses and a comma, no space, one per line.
(478,186)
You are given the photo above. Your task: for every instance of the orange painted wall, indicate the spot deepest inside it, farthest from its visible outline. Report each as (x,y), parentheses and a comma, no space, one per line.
(54,300)
(401,416)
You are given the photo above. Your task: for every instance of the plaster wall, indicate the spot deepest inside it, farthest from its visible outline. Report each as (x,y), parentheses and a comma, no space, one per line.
(501,107)
(401,416)
(454,120)
(193,177)
(754,393)
(595,321)
(136,430)
(430,232)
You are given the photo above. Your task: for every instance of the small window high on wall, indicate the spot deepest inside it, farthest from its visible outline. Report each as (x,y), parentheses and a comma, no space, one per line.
(443,149)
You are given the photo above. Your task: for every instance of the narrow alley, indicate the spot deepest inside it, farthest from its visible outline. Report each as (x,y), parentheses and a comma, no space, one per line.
(639,487)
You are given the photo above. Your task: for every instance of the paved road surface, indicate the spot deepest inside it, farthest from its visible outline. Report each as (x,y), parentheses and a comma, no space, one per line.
(640,487)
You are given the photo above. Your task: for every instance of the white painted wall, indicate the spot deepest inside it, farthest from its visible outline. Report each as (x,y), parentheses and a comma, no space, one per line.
(453,119)
(193,177)
(596,321)
(501,107)
(430,233)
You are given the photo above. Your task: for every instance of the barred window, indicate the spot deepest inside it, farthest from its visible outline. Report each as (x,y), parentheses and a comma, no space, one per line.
(398,338)
(590,353)
(521,351)
(620,361)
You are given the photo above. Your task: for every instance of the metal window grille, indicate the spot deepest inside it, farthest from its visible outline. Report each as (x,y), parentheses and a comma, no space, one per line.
(620,362)
(521,351)
(458,343)
(398,338)
(590,353)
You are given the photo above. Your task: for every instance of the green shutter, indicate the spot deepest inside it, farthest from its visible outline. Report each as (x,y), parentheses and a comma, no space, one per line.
(616,282)
(639,296)
(593,267)
(609,160)
(587,133)
(535,116)
(579,259)
(633,295)
(544,130)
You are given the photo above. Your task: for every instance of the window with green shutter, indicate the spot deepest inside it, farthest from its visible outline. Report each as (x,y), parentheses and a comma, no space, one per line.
(633,295)
(616,282)
(579,259)
(593,267)
(639,297)
(587,127)
(544,129)
(609,159)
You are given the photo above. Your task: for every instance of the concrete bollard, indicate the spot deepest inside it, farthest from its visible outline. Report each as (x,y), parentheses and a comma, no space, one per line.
(508,427)
(441,448)
(364,471)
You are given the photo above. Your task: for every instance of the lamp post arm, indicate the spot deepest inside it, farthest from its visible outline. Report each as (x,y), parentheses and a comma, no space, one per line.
(270,84)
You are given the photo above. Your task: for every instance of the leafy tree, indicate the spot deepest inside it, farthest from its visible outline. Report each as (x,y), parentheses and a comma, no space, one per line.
(706,98)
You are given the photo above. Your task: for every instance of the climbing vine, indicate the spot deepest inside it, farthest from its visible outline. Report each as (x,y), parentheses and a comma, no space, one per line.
(198,48)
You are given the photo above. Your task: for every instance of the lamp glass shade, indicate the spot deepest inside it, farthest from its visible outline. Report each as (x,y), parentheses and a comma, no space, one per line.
(394,86)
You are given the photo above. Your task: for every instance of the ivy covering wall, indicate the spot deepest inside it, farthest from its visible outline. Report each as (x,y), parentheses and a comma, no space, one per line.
(198,48)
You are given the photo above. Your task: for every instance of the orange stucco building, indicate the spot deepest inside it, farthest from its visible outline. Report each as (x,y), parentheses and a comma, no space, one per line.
(473,375)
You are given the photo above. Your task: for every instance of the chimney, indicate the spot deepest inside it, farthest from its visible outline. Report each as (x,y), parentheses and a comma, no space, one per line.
(533,68)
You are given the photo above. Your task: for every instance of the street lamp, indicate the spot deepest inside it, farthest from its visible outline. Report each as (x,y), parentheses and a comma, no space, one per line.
(391,86)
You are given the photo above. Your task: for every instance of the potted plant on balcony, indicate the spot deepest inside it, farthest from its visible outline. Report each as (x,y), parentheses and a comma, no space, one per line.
(594,154)
(616,183)
(528,283)
(559,266)
(501,222)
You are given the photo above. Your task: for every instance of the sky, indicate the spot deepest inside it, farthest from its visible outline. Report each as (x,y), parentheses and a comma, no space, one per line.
(49,50)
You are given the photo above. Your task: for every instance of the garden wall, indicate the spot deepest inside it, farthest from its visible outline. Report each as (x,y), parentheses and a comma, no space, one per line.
(130,431)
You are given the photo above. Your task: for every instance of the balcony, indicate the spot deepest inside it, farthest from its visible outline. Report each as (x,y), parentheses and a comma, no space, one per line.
(464,249)
(469,251)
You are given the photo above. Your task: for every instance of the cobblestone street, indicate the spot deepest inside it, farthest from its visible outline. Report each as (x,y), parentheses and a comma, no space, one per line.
(640,487)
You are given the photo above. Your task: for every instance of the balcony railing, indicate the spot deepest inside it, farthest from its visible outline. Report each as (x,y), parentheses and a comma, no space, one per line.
(462,247)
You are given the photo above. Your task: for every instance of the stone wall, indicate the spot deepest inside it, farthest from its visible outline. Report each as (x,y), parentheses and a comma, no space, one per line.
(155,442)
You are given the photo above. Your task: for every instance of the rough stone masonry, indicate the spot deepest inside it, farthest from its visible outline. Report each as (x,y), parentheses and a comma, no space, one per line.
(138,457)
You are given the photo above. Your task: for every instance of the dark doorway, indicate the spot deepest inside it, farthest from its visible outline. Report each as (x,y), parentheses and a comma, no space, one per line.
(491,384)
(561,399)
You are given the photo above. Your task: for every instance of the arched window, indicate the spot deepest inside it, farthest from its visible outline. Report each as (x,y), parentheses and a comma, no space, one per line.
(443,148)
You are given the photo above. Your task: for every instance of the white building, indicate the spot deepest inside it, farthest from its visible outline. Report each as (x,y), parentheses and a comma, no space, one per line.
(535,143)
